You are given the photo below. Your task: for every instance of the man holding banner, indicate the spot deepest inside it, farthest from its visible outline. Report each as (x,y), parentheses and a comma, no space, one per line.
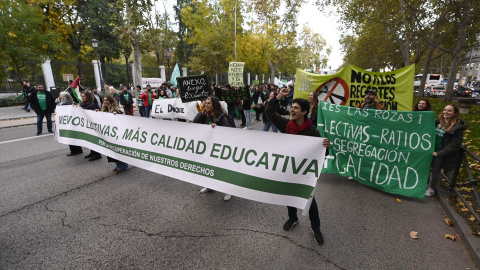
(370,103)
(299,124)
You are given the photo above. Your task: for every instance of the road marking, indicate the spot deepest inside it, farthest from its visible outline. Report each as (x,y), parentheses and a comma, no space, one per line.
(28,138)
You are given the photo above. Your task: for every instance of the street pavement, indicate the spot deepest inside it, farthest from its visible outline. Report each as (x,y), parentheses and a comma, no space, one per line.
(61,212)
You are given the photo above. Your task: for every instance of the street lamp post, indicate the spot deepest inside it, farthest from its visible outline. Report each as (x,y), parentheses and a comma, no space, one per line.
(168,55)
(95,46)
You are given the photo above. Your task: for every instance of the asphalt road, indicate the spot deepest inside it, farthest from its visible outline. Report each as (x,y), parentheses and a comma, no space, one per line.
(59,212)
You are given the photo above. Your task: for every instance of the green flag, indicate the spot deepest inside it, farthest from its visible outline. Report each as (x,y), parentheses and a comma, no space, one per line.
(175,74)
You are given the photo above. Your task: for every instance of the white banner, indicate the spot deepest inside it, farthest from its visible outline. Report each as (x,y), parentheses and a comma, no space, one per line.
(174,108)
(268,167)
(153,82)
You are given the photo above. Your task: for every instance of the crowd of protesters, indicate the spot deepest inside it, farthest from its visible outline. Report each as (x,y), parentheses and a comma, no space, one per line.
(267,102)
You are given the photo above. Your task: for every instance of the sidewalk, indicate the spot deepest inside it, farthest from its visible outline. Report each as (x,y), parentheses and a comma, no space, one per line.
(15,117)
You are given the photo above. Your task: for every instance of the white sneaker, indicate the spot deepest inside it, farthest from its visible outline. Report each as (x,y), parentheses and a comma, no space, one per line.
(350,178)
(247,128)
(430,192)
(205,190)
(227,197)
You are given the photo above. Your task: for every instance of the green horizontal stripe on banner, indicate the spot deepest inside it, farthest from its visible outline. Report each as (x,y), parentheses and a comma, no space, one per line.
(221,174)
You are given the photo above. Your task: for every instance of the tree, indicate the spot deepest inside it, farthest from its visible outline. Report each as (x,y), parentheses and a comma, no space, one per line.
(134,27)
(211,31)
(279,31)
(23,39)
(313,49)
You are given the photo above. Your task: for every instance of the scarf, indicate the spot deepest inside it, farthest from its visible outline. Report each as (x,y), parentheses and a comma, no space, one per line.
(294,128)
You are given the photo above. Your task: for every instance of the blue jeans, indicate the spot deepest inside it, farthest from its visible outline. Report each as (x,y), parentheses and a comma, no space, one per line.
(140,110)
(40,116)
(146,111)
(121,165)
(248,118)
(268,124)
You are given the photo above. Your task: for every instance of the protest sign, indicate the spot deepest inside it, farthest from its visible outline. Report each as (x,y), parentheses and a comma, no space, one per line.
(193,87)
(174,108)
(387,150)
(348,86)
(153,82)
(235,94)
(235,73)
(260,166)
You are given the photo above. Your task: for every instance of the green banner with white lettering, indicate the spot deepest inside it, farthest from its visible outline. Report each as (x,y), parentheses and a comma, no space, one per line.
(388,150)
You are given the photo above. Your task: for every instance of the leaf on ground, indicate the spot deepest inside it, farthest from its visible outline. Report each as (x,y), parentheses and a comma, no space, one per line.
(448,221)
(460,202)
(472,218)
(398,200)
(413,235)
(466,189)
(464,209)
(466,196)
(449,236)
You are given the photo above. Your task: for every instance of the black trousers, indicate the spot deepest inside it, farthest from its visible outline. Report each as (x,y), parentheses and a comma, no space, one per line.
(312,213)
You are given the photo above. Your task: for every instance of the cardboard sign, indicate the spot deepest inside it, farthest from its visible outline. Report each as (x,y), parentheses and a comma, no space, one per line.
(235,74)
(235,94)
(193,87)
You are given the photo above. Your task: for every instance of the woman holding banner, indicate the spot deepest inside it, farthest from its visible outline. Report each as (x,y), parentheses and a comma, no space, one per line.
(313,112)
(422,105)
(449,137)
(212,114)
(110,105)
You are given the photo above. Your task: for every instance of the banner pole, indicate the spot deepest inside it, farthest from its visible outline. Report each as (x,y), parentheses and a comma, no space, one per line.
(309,202)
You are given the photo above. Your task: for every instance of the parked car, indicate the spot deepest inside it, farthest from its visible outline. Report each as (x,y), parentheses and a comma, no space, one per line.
(437,91)
(463,91)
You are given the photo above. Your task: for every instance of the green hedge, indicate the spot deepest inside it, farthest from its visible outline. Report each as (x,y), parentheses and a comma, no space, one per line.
(8,101)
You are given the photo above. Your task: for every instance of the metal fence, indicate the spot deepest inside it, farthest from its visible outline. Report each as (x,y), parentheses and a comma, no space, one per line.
(471,183)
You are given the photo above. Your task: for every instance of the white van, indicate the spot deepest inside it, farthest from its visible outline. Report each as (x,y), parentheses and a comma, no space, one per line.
(432,79)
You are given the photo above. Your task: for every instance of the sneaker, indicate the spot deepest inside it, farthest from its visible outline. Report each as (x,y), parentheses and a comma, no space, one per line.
(50,131)
(39,133)
(350,178)
(430,192)
(247,128)
(227,197)
(205,190)
(289,224)
(318,236)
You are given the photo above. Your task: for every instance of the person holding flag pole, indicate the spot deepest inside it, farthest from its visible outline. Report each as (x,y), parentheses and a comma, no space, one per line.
(74,90)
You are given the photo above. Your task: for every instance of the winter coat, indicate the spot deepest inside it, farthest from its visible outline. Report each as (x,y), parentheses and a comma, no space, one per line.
(452,140)
(50,101)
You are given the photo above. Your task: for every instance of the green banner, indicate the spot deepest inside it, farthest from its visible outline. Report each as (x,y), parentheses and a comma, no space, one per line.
(348,86)
(388,150)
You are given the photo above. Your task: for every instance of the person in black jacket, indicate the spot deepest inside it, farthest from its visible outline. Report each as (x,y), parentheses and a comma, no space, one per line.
(299,124)
(88,103)
(313,112)
(43,103)
(212,114)
(126,100)
(449,130)
(258,105)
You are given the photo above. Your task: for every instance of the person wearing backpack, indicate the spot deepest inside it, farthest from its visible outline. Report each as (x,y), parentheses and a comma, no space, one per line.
(212,114)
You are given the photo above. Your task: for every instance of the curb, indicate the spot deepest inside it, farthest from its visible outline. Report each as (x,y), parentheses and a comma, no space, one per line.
(471,242)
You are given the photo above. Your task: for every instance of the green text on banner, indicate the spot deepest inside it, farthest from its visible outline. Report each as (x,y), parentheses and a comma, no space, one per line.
(262,166)
(387,150)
